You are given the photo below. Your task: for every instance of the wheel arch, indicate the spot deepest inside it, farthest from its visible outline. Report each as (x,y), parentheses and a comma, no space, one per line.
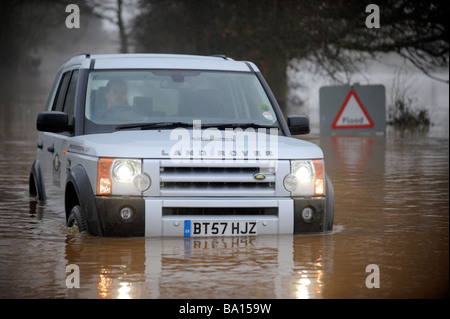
(36,182)
(70,198)
(329,207)
(78,191)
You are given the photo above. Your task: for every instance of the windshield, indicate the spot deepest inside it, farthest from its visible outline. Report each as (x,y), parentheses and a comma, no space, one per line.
(119,99)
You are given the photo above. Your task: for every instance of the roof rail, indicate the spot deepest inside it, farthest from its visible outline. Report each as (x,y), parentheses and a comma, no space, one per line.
(223,56)
(86,54)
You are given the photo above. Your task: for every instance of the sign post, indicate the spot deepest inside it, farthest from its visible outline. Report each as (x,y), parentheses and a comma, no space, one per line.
(352,110)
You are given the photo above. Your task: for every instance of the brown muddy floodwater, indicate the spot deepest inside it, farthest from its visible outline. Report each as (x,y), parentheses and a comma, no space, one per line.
(392,212)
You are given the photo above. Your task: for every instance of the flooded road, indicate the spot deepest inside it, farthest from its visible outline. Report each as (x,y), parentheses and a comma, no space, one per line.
(391,219)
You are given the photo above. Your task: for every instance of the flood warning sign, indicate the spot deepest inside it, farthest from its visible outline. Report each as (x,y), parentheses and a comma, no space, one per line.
(352,114)
(352,109)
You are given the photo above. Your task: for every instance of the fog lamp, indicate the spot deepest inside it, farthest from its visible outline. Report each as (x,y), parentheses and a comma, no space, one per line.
(126,213)
(307,214)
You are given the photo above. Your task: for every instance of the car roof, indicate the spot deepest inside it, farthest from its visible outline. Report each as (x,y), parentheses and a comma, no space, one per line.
(159,61)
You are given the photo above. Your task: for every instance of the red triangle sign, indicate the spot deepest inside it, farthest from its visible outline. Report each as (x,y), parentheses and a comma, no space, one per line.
(352,114)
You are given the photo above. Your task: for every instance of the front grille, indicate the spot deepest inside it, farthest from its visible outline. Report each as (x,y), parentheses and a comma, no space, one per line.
(216,180)
(232,211)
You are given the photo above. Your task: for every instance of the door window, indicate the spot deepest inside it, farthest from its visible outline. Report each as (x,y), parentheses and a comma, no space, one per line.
(69,102)
(58,103)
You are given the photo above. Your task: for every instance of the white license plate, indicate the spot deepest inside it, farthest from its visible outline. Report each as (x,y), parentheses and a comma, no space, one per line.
(195,228)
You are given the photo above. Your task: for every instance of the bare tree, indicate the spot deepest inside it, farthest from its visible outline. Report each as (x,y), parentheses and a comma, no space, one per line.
(113,11)
(332,34)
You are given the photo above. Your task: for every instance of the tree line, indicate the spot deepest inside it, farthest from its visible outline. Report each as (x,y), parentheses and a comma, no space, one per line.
(332,34)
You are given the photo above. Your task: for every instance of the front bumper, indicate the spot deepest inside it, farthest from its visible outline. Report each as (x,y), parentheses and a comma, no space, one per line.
(165,217)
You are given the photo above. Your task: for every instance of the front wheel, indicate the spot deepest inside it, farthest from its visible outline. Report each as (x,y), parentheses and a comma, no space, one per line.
(76,218)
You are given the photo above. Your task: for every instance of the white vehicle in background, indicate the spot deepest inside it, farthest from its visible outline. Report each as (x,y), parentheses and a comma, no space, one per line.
(177,145)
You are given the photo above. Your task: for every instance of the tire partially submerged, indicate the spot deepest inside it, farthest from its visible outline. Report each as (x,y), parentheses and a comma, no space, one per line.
(76,218)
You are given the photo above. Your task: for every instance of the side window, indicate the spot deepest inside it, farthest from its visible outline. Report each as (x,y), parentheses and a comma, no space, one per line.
(69,102)
(52,91)
(58,103)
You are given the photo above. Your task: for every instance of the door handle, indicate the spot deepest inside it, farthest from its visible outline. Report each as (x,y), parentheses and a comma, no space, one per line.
(40,145)
(51,149)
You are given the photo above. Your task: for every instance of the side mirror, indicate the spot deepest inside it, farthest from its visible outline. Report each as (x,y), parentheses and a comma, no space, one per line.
(54,122)
(298,124)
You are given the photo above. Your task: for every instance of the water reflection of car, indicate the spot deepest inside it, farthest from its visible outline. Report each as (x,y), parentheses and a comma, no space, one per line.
(190,146)
(287,267)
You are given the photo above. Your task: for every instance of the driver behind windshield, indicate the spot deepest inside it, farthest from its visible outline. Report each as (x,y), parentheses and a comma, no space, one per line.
(115,96)
(116,93)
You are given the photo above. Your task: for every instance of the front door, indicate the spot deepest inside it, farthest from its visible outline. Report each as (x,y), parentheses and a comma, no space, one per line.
(53,145)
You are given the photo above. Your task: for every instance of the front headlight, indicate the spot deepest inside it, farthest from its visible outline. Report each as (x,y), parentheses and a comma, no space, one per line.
(126,170)
(303,171)
(121,177)
(306,178)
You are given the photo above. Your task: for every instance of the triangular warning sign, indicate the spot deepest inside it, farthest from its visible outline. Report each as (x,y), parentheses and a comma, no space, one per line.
(352,114)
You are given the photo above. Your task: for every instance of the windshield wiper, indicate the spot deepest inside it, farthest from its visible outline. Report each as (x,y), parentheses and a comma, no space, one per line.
(147,126)
(235,125)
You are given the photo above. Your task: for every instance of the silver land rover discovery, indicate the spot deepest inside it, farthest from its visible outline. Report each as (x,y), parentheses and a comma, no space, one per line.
(176,145)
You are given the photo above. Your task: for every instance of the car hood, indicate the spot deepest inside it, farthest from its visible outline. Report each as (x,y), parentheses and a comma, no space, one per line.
(184,143)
